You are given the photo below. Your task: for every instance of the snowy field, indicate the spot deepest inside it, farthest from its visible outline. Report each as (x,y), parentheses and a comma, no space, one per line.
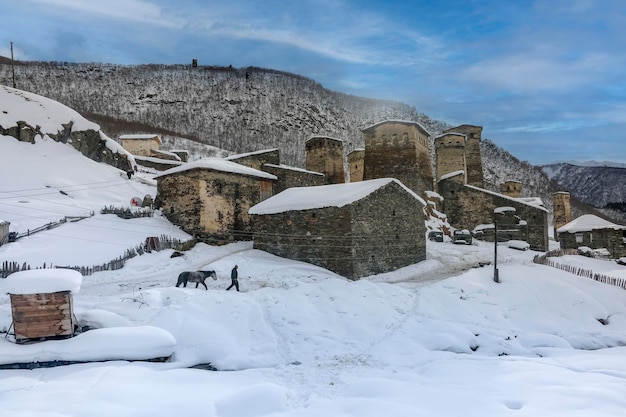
(438,338)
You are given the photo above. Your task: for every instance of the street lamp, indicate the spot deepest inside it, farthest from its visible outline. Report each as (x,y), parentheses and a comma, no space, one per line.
(498,211)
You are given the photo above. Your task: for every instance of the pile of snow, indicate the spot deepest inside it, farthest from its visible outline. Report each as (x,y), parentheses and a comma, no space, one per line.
(42,281)
(518,244)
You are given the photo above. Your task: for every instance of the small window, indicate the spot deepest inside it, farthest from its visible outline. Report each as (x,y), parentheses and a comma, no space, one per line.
(579,238)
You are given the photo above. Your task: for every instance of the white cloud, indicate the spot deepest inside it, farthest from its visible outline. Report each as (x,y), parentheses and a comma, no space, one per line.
(130,10)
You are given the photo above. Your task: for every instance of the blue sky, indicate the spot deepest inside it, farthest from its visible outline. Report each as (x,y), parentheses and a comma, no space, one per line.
(546,79)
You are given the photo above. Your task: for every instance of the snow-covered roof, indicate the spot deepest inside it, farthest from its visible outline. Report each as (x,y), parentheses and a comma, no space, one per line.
(17,105)
(504,209)
(141,136)
(158,160)
(408,122)
(588,222)
(450,133)
(243,155)
(218,164)
(290,168)
(42,281)
(451,174)
(532,202)
(322,137)
(334,195)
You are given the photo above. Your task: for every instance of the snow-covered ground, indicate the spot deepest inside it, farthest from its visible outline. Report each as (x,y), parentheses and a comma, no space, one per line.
(438,338)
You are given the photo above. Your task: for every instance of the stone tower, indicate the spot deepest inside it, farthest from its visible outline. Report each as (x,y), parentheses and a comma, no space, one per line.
(511,188)
(355,164)
(450,154)
(561,209)
(401,150)
(325,154)
(473,159)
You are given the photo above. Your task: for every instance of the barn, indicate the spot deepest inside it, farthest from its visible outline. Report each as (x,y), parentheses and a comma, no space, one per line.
(354,229)
(42,303)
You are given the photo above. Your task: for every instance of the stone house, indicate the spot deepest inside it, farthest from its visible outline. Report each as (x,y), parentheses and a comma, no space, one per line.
(399,149)
(210,198)
(269,161)
(468,206)
(595,233)
(141,144)
(354,229)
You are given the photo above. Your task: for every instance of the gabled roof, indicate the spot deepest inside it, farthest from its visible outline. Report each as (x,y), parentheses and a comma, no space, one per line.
(406,122)
(334,195)
(243,155)
(142,136)
(218,164)
(587,223)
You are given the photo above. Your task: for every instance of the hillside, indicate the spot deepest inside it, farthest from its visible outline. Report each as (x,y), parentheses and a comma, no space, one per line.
(598,185)
(240,110)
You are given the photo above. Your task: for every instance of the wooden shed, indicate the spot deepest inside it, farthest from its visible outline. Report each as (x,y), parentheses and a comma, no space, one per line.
(42,303)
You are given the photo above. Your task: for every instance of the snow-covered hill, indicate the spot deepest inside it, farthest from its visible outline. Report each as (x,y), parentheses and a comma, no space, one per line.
(437,338)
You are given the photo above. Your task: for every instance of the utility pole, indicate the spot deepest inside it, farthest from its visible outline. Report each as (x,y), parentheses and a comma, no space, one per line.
(12,66)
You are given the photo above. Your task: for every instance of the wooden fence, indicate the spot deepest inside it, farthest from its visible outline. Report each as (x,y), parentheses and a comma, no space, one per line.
(152,243)
(581,272)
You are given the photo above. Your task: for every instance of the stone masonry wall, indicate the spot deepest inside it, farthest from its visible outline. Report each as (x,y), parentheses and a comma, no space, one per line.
(468,206)
(356,162)
(450,154)
(379,233)
(288,177)
(473,158)
(398,150)
(211,205)
(325,155)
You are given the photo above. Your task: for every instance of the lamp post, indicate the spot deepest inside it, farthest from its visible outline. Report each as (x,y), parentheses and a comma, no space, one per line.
(496,274)
(498,211)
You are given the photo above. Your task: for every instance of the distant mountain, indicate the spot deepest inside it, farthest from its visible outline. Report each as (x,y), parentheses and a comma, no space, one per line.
(607,164)
(599,186)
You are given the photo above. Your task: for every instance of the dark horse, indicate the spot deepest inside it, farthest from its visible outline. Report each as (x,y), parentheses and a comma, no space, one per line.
(195,276)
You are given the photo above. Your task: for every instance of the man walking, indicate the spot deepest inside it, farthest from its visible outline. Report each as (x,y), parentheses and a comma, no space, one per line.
(233,279)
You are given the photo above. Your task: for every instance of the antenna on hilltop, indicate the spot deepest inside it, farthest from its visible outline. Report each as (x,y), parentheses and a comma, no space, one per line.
(12,66)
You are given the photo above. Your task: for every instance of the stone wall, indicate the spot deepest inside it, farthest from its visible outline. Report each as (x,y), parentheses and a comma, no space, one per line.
(141,147)
(325,155)
(473,159)
(256,160)
(379,233)
(292,177)
(562,210)
(210,205)
(511,189)
(449,154)
(401,150)
(467,207)
(356,162)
